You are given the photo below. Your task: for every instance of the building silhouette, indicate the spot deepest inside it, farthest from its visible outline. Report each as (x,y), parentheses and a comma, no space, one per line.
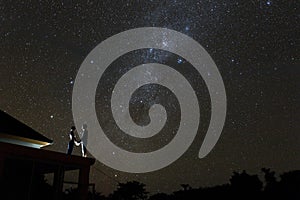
(24,162)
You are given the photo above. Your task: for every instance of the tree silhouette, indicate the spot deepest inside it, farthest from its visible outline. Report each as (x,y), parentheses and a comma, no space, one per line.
(243,183)
(271,186)
(130,191)
(241,186)
(269,177)
(289,185)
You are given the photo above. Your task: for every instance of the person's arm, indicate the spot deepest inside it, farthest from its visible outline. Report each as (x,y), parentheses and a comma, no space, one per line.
(77,142)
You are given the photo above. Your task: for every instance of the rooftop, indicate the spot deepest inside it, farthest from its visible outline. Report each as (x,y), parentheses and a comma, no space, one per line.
(15,132)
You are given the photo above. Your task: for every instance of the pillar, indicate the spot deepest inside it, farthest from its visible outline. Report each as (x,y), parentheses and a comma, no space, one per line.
(58,182)
(83,182)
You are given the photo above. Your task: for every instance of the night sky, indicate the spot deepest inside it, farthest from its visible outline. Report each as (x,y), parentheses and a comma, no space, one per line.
(253,43)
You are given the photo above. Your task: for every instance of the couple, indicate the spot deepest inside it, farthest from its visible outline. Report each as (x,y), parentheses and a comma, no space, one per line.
(82,142)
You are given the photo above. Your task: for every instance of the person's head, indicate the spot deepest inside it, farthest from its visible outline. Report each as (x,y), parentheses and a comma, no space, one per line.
(84,126)
(73,128)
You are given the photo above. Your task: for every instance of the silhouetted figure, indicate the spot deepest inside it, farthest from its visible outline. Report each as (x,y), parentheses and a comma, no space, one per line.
(84,137)
(72,141)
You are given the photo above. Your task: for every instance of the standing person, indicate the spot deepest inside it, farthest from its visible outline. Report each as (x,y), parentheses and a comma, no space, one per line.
(72,140)
(84,137)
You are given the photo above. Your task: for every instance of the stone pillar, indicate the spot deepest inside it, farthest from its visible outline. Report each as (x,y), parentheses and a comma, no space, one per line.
(83,182)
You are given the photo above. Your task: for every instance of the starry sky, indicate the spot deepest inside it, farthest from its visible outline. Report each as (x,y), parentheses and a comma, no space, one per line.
(253,43)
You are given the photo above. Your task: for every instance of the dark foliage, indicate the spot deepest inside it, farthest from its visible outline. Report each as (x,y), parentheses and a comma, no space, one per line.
(241,186)
(130,191)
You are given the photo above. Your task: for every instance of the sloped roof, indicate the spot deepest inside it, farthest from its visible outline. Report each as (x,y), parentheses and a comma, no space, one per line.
(12,129)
